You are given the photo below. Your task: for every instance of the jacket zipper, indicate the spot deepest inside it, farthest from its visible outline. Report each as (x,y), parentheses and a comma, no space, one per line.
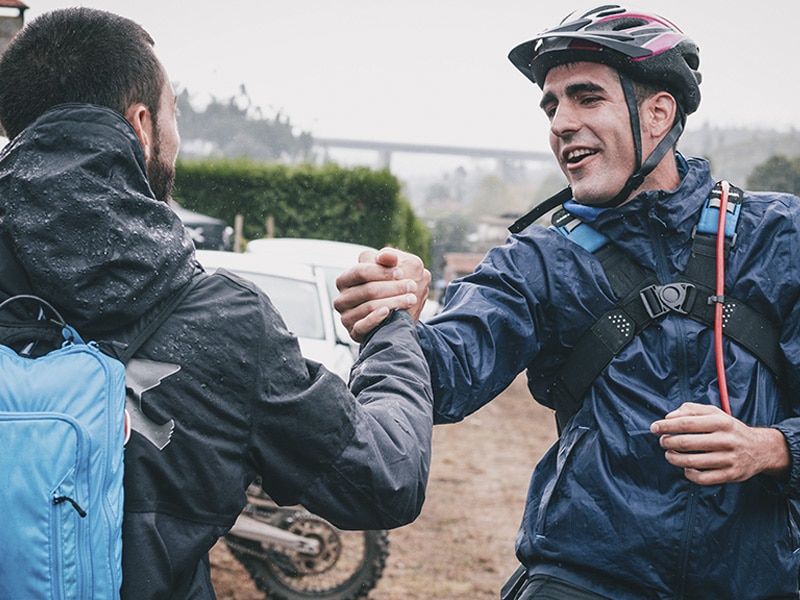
(664,276)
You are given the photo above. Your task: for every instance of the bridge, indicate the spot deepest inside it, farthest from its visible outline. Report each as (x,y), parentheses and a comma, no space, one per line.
(386,149)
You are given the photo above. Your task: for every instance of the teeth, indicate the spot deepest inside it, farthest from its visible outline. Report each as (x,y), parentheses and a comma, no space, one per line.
(578,154)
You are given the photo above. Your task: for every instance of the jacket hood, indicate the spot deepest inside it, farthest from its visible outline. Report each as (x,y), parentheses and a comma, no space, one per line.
(79,225)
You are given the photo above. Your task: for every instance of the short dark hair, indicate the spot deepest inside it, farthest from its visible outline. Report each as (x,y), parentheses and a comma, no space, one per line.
(77,55)
(642,90)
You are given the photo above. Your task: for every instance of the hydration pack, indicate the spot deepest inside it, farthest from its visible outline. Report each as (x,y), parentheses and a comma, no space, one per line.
(642,299)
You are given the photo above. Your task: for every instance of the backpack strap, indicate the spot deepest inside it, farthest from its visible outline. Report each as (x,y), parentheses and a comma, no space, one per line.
(743,324)
(642,300)
(37,335)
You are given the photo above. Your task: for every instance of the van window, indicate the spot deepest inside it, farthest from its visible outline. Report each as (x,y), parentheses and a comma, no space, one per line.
(297,301)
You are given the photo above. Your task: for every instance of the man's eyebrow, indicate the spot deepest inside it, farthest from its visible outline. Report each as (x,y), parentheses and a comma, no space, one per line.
(547,99)
(575,88)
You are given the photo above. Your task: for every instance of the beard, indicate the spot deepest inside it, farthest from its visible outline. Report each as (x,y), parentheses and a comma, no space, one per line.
(160,172)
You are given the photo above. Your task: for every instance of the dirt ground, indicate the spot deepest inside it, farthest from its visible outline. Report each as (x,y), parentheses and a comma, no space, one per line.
(462,545)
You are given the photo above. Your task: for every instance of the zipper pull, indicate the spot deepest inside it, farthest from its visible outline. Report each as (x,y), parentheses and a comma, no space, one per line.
(62,499)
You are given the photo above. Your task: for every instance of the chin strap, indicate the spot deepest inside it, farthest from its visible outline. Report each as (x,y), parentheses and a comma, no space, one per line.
(642,170)
(541,209)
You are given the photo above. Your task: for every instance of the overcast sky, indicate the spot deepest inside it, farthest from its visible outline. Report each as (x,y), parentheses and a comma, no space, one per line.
(435,71)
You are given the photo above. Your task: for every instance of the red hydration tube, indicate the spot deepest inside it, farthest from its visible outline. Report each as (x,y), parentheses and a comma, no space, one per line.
(720,300)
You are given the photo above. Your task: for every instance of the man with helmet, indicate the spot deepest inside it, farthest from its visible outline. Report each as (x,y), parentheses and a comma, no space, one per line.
(652,490)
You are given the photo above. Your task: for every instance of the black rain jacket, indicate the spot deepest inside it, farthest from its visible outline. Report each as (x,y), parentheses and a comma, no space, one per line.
(80,228)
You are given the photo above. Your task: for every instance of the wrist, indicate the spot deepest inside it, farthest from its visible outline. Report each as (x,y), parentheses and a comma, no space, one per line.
(776,459)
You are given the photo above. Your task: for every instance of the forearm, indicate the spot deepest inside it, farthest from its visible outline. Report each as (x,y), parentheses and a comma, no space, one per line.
(474,353)
(380,478)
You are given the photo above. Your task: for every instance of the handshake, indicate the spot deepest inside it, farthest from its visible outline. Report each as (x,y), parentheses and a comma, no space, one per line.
(379,283)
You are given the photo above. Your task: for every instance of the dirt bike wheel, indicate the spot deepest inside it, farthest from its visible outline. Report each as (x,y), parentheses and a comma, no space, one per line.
(348,566)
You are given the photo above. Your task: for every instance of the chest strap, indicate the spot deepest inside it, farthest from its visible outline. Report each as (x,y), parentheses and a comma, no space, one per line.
(642,300)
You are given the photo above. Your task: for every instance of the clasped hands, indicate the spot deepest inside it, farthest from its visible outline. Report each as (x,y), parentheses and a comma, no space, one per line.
(381,282)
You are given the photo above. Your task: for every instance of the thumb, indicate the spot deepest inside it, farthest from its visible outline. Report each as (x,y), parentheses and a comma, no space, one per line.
(387,257)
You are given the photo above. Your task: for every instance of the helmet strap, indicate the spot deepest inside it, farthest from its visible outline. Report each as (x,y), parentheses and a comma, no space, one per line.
(633,111)
(641,170)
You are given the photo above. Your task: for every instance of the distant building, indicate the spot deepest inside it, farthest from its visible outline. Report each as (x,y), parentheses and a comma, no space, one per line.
(491,231)
(459,264)
(10,23)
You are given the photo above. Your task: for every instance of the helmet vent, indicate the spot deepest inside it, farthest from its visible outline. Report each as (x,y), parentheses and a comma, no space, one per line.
(623,24)
(693,60)
(606,10)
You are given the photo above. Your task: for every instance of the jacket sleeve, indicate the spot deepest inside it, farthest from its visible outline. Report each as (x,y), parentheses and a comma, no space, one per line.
(490,329)
(782,222)
(379,479)
(359,459)
(790,428)
(789,425)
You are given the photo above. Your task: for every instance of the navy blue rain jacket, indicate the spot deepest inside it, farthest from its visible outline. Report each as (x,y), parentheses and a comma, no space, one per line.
(605,510)
(79,227)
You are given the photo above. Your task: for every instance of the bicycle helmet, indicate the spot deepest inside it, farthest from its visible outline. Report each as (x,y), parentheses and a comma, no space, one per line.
(647,47)
(641,47)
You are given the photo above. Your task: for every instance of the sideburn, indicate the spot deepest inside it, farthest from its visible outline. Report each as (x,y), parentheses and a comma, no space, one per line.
(160,174)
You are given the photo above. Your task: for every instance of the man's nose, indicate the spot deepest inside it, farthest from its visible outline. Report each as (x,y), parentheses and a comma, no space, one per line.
(564,121)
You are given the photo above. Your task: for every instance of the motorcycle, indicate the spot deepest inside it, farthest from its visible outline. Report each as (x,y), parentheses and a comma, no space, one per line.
(292,554)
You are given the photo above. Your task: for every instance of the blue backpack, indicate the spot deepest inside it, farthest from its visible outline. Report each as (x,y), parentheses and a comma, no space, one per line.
(63,425)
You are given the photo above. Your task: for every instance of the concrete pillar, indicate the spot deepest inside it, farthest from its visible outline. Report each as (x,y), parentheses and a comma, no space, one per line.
(384,159)
(10,24)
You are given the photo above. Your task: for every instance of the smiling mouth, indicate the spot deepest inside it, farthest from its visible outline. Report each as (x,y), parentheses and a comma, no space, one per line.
(574,157)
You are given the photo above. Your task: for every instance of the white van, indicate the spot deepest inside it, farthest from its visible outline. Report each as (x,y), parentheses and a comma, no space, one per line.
(328,258)
(300,295)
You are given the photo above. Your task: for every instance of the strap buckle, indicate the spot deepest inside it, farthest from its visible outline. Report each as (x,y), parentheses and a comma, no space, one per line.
(658,300)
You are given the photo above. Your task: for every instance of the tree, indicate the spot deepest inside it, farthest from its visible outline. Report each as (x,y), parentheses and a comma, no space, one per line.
(449,235)
(356,205)
(236,128)
(778,174)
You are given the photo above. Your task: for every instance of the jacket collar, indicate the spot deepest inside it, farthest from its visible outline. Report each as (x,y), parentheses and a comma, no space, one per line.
(656,226)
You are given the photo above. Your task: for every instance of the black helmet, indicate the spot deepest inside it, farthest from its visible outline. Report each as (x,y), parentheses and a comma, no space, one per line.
(646,47)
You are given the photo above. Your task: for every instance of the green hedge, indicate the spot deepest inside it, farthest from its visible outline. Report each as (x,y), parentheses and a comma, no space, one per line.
(356,205)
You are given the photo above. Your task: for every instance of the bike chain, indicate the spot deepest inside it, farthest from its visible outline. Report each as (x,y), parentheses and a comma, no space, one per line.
(234,545)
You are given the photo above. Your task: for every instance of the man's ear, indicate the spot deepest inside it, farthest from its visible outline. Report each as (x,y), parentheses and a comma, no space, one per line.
(140,117)
(659,113)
